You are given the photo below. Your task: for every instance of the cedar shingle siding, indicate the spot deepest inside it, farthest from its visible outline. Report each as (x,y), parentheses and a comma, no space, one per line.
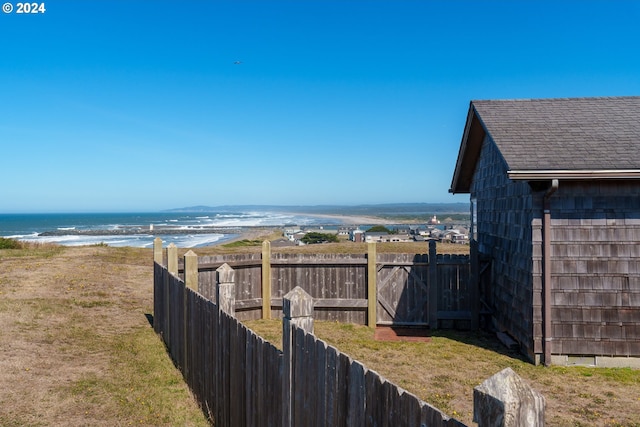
(504,233)
(510,153)
(595,267)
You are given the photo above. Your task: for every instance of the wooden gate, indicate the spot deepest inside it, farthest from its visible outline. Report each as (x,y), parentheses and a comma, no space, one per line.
(402,290)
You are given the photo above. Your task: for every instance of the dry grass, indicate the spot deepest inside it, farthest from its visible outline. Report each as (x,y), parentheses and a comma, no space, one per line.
(445,370)
(76,346)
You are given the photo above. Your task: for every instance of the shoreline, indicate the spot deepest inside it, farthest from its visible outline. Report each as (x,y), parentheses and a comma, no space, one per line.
(188,234)
(351,219)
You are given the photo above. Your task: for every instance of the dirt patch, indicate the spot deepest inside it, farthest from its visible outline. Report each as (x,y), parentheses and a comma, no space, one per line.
(386,333)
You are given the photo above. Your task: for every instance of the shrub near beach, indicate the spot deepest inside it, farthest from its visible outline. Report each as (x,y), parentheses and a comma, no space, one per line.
(9,244)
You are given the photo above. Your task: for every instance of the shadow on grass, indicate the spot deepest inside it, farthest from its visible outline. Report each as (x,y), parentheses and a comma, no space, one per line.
(149,318)
(479,338)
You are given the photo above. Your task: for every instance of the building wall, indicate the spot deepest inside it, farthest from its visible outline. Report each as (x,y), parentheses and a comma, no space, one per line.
(505,221)
(596,268)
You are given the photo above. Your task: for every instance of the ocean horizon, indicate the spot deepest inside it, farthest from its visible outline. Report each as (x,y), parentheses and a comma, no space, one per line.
(184,229)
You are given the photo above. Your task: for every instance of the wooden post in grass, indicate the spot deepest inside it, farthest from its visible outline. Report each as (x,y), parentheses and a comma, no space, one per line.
(474,280)
(157,250)
(226,289)
(372,290)
(172,259)
(297,310)
(266,279)
(191,270)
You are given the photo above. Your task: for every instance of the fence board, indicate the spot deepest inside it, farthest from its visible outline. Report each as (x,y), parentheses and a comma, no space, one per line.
(356,394)
(274,384)
(343,366)
(208,350)
(319,374)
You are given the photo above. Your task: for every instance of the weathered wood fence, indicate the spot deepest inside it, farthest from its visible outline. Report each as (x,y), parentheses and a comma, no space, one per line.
(431,289)
(240,379)
(232,372)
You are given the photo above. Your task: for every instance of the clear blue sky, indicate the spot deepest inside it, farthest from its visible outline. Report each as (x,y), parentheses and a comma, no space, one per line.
(139,106)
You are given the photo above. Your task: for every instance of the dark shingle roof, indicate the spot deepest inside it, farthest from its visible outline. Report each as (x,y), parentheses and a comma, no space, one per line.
(565,133)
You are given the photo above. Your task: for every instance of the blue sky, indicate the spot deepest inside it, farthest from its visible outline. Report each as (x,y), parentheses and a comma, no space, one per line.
(139,105)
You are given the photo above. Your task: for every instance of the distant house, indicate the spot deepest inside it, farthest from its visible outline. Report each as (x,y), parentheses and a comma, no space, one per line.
(555,204)
(356,235)
(381,237)
(403,230)
(455,236)
(436,233)
(290,231)
(399,238)
(375,236)
(419,230)
(344,231)
(297,238)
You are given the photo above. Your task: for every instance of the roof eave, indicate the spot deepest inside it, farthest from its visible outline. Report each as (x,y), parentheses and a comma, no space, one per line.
(584,174)
(469,153)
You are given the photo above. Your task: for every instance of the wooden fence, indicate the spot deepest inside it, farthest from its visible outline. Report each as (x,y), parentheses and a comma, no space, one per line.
(240,379)
(431,289)
(232,371)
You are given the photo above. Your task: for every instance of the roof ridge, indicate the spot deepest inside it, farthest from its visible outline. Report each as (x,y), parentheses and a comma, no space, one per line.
(590,98)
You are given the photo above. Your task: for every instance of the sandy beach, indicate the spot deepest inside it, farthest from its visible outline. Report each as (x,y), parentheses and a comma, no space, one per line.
(351,219)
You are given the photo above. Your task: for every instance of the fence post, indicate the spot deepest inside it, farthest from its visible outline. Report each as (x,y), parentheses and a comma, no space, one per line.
(226,289)
(191,270)
(266,279)
(505,400)
(372,290)
(475,284)
(297,310)
(172,259)
(433,285)
(157,250)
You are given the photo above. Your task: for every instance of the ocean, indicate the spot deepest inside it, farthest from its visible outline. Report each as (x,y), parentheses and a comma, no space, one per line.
(185,230)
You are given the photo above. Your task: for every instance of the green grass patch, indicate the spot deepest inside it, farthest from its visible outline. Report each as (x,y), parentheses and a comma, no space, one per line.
(141,386)
(243,243)
(10,248)
(123,255)
(9,243)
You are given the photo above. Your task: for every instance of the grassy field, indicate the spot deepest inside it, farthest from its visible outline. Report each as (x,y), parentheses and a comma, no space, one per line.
(77,348)
(76,345)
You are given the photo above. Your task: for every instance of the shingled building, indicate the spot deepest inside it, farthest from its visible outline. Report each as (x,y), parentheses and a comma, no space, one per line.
(555,200)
